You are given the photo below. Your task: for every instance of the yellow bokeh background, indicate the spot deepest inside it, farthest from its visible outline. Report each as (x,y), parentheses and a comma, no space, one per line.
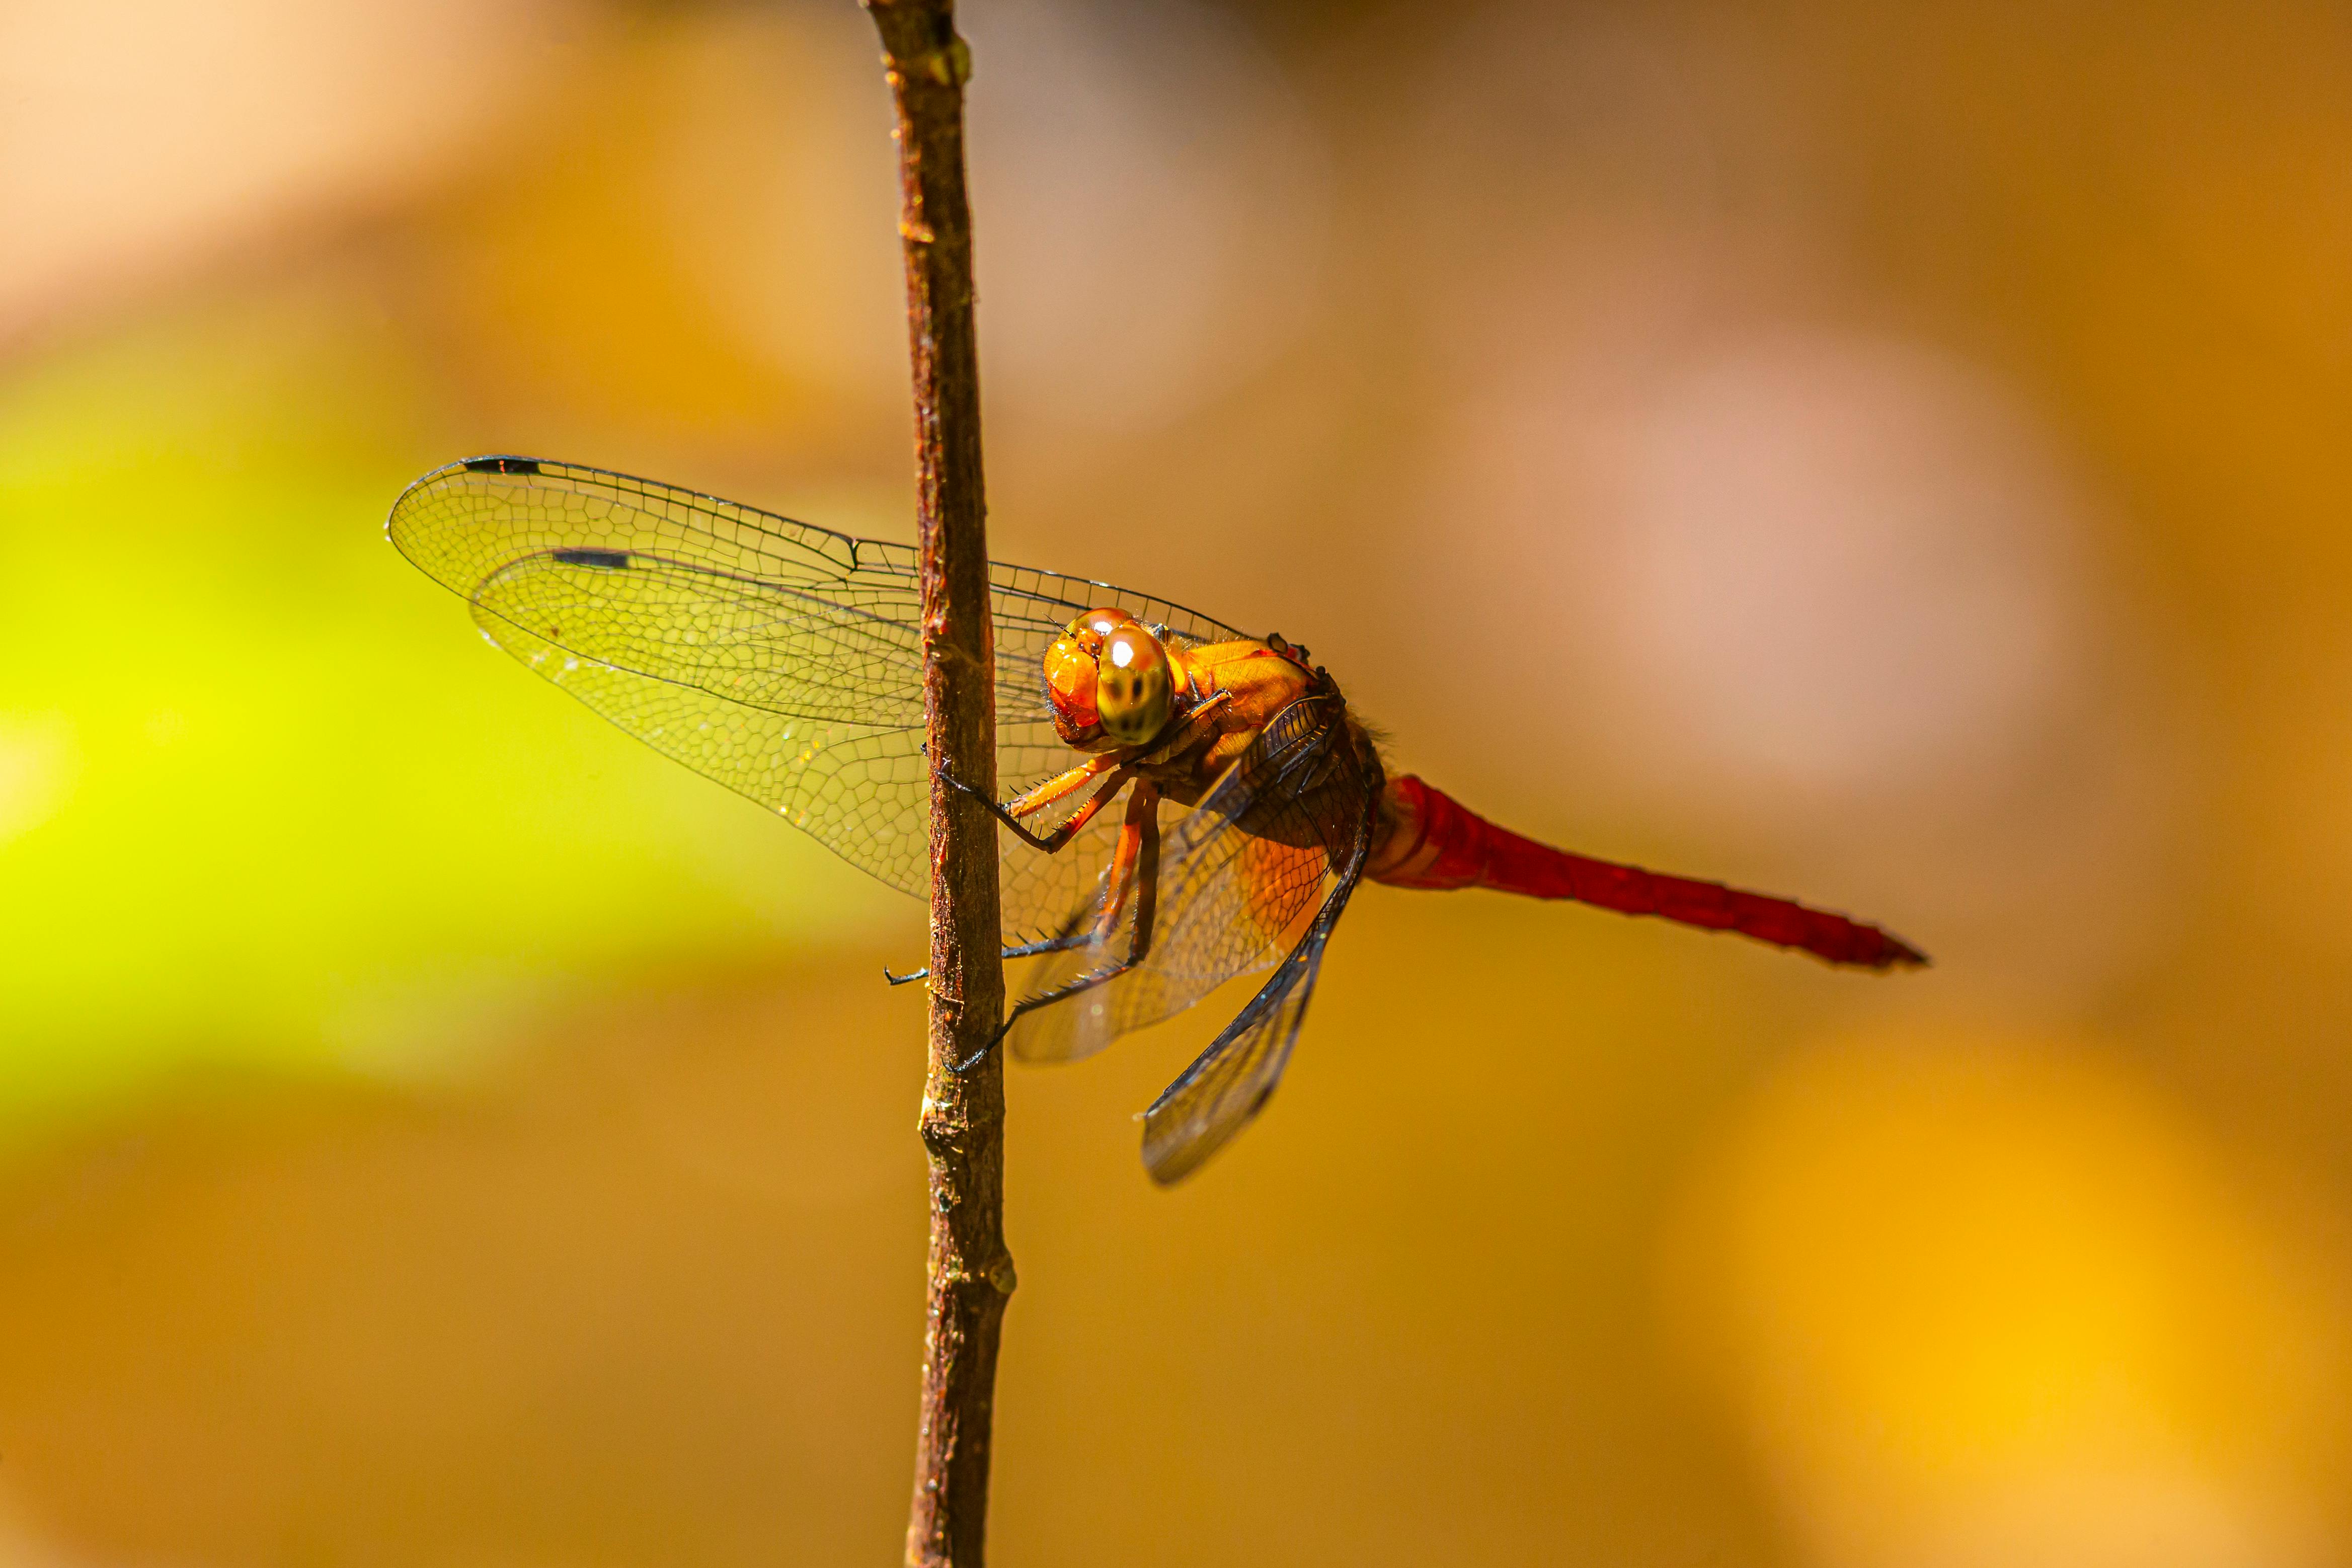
(1891,456)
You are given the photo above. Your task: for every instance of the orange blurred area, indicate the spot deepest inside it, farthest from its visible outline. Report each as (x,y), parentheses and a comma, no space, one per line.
(1889,456)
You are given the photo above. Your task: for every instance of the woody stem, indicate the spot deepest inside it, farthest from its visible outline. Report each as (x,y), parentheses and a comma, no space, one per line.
(962,1123)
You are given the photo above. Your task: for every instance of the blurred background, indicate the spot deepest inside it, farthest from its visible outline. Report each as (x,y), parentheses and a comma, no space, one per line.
(1892,455)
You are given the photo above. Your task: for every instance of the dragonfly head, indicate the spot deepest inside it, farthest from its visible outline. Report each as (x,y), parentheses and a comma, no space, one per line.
(1110,682)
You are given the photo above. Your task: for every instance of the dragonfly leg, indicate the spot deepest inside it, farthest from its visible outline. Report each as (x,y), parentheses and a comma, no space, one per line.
(1025,950)
(1037,797)
(1188,731)
(1117,764)
(1145,809)
(1135,868)
(1134,872)
(1119,880)
(1050,841)
(1114,767)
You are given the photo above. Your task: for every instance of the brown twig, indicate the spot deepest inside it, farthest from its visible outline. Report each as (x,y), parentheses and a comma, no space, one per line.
(970,1274)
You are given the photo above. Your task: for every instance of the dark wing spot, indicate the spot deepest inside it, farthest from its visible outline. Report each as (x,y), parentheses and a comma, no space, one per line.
(500,466)
(610,560)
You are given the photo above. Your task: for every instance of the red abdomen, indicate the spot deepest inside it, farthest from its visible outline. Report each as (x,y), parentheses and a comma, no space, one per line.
(1428,839)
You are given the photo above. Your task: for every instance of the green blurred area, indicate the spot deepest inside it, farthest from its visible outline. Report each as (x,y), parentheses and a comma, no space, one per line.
(282,811)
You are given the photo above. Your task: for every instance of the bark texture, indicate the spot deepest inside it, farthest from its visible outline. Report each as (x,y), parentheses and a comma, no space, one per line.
(971,1272)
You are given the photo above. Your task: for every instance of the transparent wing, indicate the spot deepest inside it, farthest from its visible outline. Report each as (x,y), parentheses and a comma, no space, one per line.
(782,659)
(1281,839)
(1239,875)
(1214,1098)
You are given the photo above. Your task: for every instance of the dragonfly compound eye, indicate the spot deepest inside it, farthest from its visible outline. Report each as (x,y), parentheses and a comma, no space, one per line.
(1070,666)
(1132,685)
(1090,629)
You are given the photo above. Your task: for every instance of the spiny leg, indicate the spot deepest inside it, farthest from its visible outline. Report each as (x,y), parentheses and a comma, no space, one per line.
(1050,843)
(1037,797)
(1119,765)
(1147,877)
(1061,786)
(1062,944)
(1186,732)
(1134,868)
(1122,862)
(1053,841)
(1118,883)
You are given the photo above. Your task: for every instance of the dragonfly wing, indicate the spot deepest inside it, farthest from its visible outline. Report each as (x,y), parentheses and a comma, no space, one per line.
(782,659)
(1240,874)
(1214,1098)
(858,789)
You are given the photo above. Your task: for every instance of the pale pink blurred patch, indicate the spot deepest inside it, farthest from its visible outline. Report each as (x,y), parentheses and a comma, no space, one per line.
(1735,558)
(1812,564)
(1782,550)
(146,138)
(1128,153)
(1117,154)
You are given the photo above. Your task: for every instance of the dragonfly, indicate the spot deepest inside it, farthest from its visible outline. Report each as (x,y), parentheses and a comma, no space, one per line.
(1198,805)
